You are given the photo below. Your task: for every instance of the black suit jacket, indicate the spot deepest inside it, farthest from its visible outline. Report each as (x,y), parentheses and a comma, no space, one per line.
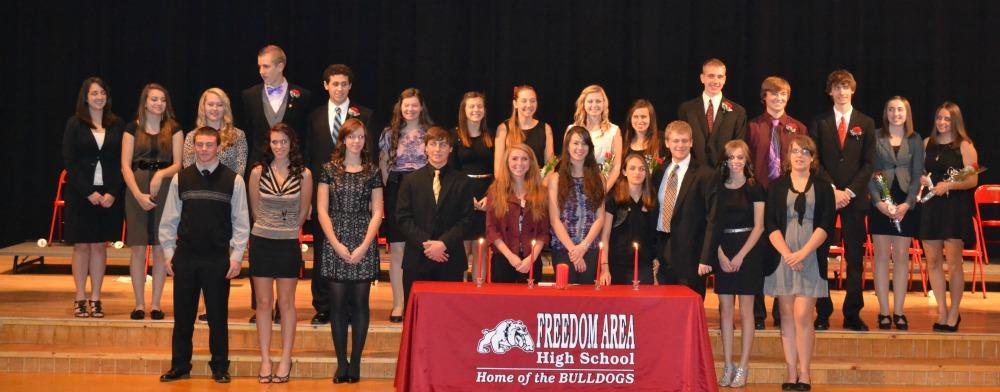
(728,125)
(420,219)
(693,239)
(81,155)
(254,122)
(319,144)
(850,167)
(776,217)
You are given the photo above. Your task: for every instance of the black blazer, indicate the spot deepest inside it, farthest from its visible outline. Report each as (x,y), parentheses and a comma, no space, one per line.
(850,167)
(80,155)
(693,239)
(776,217)
(420,219)
(253,122)
(319,144)
(728,125)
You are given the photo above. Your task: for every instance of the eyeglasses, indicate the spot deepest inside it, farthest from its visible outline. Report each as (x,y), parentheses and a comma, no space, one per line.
(801,151)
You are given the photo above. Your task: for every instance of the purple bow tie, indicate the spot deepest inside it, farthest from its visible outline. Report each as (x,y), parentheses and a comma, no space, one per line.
(276,90)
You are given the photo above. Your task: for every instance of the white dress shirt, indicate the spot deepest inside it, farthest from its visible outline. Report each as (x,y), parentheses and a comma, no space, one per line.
(716,101)
(277,99)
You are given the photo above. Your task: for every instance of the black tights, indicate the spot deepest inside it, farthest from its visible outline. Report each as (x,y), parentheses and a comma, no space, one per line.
(349,298)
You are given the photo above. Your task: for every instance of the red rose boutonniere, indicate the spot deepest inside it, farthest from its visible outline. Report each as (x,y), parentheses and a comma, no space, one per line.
(726,106)
(295,93)
(353,111)
(856,132)
(790,128)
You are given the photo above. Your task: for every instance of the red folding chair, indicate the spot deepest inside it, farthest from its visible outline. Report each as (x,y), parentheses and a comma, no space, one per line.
(57,207)
(987,194)
(977,255)
(916,257)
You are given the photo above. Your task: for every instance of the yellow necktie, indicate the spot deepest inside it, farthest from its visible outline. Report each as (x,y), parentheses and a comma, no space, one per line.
(437,185)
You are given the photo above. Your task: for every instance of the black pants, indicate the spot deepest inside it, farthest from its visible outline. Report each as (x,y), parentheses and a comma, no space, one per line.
(191,277)
(760,309)
(853,232)
(670,274)
(429,270)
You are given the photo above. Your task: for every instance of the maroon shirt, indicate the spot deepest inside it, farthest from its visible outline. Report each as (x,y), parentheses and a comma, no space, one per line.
(505,228)
(759,140)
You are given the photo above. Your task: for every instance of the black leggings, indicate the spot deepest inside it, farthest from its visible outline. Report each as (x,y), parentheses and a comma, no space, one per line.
(349,299)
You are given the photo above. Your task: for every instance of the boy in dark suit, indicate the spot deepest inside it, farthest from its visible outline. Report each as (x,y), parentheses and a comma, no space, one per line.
(714,120)
(433,209)
(845,139)
(324,127)
(685,229)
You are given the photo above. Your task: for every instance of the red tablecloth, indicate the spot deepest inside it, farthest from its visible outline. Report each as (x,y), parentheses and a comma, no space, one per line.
(507,337)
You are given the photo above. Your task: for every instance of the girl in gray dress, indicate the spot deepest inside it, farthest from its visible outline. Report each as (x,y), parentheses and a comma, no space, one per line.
(798,218)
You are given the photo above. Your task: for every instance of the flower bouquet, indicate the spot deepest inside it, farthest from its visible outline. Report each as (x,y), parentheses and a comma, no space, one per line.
(609,160)
(653,163)
(549,166)
(886,197)
(953,175)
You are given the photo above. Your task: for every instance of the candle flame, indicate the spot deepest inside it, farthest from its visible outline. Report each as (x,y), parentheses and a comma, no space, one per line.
(480,240)
(635,245)
(600,244)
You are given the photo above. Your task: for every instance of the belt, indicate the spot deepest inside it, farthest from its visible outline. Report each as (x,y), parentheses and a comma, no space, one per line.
(734,231)
(479,175)
(150,165)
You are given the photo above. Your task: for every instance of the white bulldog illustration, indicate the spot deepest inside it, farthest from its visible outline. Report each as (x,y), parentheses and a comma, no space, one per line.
(507,335)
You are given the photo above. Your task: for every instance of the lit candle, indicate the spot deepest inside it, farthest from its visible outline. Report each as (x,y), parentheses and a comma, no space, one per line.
(479,260)
(600,254)
(635,272)
(531,264)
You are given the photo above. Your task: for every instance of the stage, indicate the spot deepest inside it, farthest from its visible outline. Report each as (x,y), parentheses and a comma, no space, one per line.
(39,337)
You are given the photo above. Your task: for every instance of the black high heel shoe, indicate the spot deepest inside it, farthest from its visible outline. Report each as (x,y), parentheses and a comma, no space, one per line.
(952,328)
(884,322)
(354,373)
(789,386)
(900,322)
(341,375)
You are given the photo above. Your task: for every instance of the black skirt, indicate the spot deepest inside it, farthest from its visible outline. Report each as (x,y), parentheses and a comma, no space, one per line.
(749,280)
(271,258)
(880,224)
(87,223)
(390,196)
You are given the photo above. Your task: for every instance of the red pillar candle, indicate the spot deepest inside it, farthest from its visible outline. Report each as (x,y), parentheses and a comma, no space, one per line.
(531,265)
(562,275)
(479,260)
(489,265)
(635,261)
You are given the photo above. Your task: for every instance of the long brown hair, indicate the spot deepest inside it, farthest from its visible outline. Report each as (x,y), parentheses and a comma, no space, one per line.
(295,163)
(957,126)
(463,122)
(515,134)
(83,109)
(907,126)
(398,122)
(653,143)
(168,123)
(340,152)
(723,167)
(593,180)
(503,187)
(621,193)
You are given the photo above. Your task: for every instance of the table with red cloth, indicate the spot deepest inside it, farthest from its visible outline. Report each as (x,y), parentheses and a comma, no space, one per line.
(458,337)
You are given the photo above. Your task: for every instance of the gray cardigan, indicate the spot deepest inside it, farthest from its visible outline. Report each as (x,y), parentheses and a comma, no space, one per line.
(907,166)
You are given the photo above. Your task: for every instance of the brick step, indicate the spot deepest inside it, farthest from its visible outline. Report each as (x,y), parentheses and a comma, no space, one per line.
(20,358)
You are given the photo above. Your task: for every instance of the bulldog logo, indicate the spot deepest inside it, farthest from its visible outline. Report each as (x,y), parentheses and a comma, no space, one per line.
(507,335)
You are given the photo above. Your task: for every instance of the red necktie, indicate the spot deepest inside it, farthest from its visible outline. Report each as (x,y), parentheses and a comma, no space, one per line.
(710,116)
(842,132)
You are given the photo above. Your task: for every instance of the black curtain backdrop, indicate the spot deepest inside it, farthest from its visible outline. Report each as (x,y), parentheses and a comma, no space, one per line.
(927,51)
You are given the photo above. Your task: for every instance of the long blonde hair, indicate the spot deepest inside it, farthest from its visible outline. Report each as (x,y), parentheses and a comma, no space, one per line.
(503,186)
(226,130)
(580,116)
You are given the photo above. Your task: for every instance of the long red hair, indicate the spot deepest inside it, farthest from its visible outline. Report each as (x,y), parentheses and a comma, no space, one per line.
(503,187)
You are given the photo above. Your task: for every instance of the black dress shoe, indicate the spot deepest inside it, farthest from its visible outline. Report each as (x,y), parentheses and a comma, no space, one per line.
(788,386)
(174,375)
(320,318)
(884,322)
(801,386)
(137,314)
(821,324)
(900,322)
(253,319)
(759,325)
(396,319)
(221,376)
(855,324)
(156,314)
(340,376)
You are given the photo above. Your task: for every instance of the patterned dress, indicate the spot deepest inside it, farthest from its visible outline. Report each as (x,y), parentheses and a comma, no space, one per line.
(350,212)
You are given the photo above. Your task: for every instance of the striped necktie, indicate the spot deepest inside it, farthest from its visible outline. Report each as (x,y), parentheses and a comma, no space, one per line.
(336,124)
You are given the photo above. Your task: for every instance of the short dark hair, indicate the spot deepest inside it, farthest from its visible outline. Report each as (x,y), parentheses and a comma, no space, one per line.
(208,131)
(338,69)
(840,77)
(437,133)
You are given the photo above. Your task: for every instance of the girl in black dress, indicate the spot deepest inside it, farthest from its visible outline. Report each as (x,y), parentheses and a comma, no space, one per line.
(946,219)
(630,213)
(642,134)
(92,155)
(472,154)
(523,127)
(740,206)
